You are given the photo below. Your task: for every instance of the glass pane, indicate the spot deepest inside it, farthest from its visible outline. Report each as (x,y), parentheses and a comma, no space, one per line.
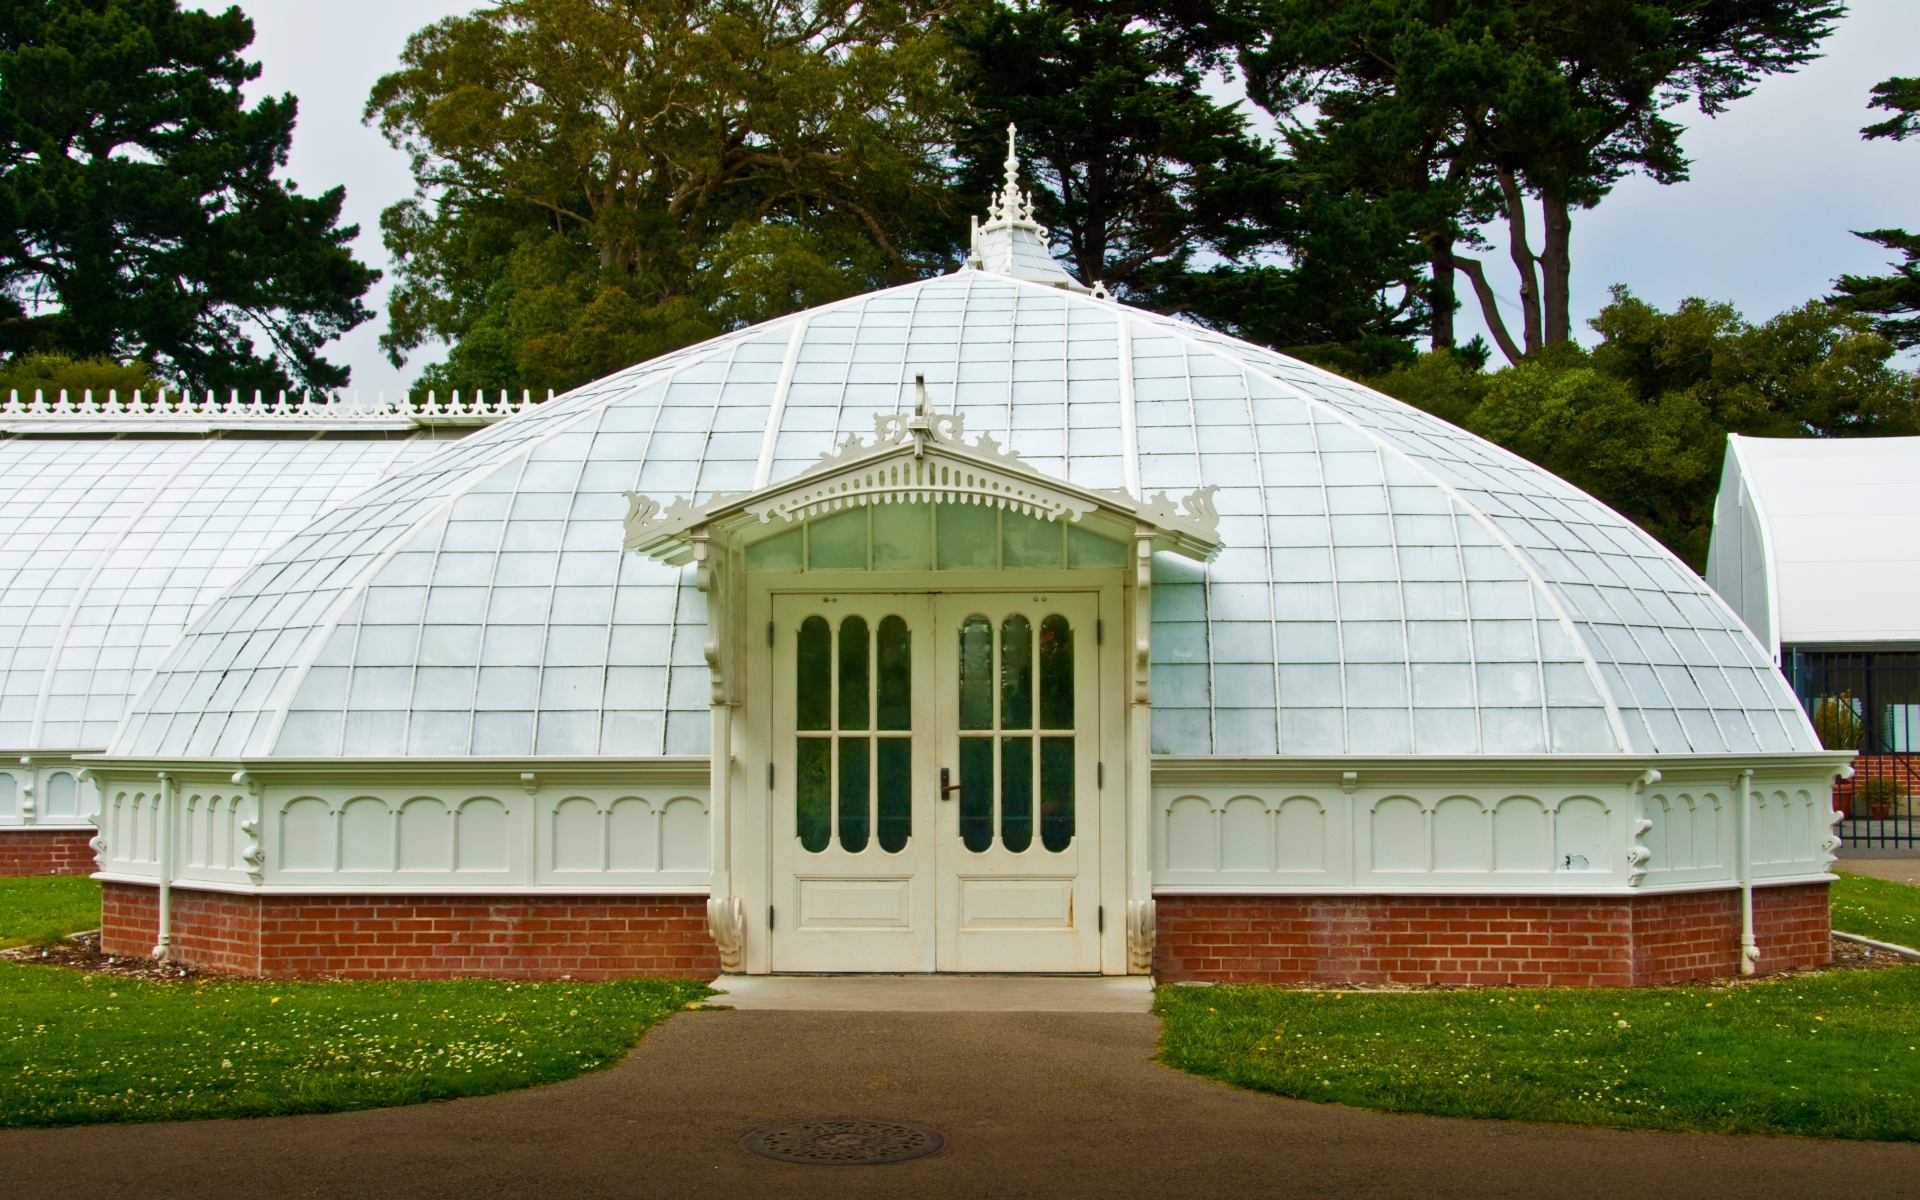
(1031,542)
(813,791)
(1056,793)
(976,793)
(838,542)
(969,536)
(1016,673)
(813,675)
(780,553)
(976,673)
(853,673)
(895,779)
(1056,673)
(1085,549)
(854,773)
(895,652)
(1016,793)
(902,537)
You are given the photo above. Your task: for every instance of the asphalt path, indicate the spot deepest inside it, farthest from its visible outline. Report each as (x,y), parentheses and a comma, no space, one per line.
(1032,1104)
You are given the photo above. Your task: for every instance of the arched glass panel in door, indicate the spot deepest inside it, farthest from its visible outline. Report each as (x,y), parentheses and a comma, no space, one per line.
(1016,708)
(853,734)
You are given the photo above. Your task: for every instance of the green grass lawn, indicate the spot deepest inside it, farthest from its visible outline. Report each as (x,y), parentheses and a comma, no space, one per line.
(1835,1055)
(78,1049)
(1877,908)
(37,909)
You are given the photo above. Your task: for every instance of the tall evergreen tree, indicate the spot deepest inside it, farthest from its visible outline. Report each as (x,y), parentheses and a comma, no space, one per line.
(1486,105)
(1160,192)
(1891,301)
(139,213)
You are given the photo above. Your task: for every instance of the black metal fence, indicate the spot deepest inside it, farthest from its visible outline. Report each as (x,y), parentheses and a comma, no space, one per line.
(1867,701)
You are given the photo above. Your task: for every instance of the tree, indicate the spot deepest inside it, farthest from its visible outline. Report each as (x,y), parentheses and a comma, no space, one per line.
(1886,297)
(1641,421)
(1476,106)
(139,213)
(1158,191)
(601,181)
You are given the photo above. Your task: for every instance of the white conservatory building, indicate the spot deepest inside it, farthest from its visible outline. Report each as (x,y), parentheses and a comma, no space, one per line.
(981,624)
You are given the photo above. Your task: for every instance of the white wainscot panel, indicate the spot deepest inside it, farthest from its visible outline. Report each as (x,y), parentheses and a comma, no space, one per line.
(1461,836)
(1580,835)
(554,839)
(1520,841)
(1242,837)
(1789,830)
(127,829)
(1689,837)
(215,831)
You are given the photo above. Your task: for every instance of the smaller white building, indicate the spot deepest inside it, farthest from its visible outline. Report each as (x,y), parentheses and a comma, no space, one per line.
(1816,544)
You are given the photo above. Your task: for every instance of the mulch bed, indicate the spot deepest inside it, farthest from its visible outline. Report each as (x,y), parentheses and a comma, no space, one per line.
(81,951)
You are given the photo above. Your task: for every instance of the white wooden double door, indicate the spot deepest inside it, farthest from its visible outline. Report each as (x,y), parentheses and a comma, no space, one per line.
(935,782)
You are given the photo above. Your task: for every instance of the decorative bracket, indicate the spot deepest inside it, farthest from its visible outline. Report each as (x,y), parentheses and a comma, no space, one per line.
(727,920)
(1140,932)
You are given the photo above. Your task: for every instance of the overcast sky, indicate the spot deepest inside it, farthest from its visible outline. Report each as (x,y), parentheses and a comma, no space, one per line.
(1778,181)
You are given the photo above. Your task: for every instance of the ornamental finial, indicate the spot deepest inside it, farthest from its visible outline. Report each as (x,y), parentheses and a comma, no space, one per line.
(1011,204)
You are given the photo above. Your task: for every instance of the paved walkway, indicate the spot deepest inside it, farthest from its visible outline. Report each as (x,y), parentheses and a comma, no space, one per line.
(936,993)
(1901,866)
(1034,1104)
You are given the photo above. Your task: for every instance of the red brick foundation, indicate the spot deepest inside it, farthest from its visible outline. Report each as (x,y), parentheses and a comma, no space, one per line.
(418,937)
(1501,941)
(42,851)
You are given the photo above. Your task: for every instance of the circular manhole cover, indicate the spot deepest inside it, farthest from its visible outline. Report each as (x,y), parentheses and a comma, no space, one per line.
(844,1142)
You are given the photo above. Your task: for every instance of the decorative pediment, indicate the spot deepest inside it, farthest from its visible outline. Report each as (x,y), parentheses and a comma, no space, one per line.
(923,458)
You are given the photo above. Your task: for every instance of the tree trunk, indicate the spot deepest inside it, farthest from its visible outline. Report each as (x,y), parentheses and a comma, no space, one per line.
(1440,292)
(1489,308)
(1524,260)
(1557,268)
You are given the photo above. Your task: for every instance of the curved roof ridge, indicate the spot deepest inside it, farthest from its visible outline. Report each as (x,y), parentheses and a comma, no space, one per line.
(1615,722)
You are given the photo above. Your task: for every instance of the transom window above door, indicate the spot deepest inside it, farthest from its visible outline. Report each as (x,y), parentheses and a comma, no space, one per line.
(926,537)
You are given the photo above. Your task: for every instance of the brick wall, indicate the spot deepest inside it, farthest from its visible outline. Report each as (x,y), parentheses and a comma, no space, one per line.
(42,851)
(1483,940)
(420,937)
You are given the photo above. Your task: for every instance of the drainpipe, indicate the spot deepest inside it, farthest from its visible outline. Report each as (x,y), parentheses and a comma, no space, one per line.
(163,949)
(1749,948)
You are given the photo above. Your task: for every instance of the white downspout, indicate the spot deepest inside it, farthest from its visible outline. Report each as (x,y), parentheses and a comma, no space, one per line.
(163,949)
(1749,948)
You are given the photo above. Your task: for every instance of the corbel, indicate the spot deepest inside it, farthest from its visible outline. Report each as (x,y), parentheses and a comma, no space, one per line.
(1349,780)
(1143,613)
(529,782)
(27,790)
(1638,854)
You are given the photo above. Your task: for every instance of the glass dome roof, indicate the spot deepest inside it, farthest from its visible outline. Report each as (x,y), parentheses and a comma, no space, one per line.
(111,548)
(1390,584)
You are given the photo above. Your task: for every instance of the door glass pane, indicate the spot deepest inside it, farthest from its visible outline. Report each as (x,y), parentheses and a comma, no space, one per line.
(812,791)
(853,673)
(895,792)
(1016,793)
(894,650)
(854,775)
(813,680)
(1016,673)
(976,673)
(976,793)
(1056,793)
(1056,673)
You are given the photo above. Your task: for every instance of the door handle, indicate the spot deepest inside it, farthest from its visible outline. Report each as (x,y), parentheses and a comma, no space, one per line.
(946,787)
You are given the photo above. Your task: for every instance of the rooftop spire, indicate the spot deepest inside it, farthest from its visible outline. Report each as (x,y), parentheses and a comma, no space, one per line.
(1011,242)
